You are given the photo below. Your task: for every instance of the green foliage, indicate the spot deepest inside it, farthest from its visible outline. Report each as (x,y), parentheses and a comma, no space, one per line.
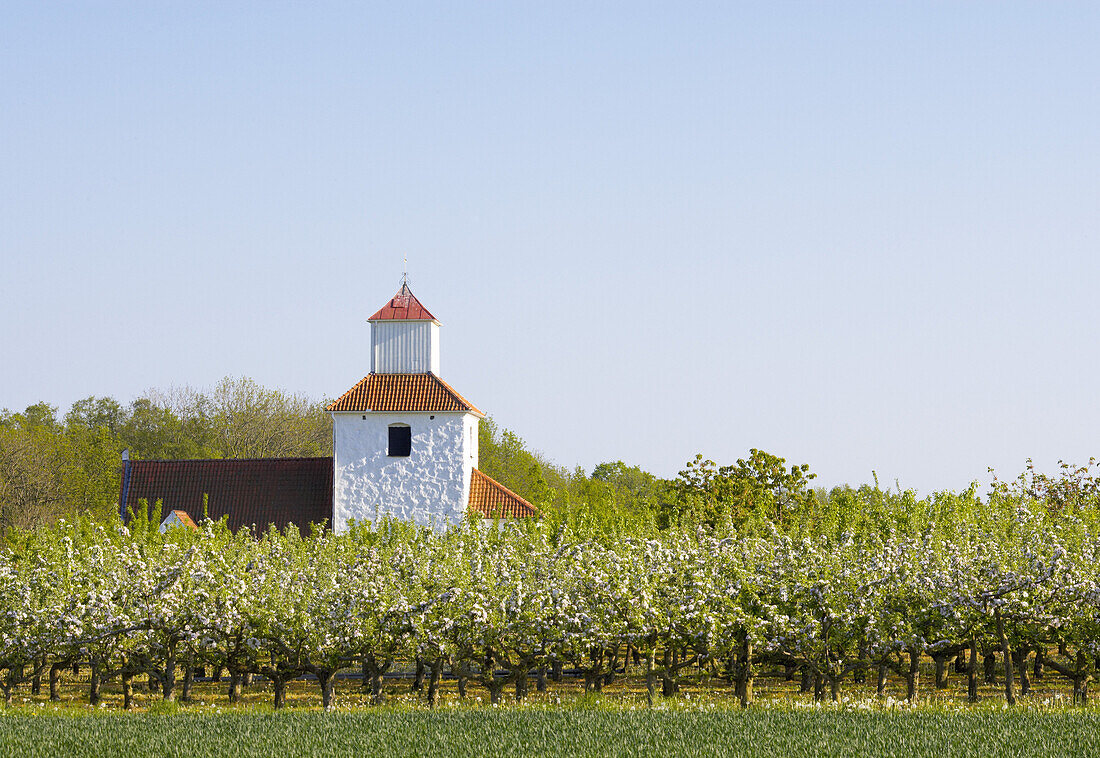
(617,499)
(754,491)
(1074,489)
(503,456)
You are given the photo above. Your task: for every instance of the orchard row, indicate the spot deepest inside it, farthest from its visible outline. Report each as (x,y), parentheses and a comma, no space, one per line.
(495,606)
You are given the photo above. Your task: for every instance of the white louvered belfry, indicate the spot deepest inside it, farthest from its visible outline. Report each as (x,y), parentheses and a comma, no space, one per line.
(404,347)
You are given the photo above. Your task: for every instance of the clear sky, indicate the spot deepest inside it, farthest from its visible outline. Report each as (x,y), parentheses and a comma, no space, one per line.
(862,236)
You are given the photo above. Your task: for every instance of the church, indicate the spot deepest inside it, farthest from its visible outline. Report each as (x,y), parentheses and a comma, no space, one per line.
(405,445)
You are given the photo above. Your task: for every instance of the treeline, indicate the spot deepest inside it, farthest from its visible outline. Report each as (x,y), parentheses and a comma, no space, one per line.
(63,466)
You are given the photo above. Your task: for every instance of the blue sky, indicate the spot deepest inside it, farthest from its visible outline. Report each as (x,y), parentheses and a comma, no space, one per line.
(857,235)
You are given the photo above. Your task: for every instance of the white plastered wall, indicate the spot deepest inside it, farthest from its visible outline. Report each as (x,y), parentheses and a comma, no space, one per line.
(430,486)
(470,450)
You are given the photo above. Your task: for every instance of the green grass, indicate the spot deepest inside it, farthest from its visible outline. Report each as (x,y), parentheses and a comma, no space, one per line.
(543,731)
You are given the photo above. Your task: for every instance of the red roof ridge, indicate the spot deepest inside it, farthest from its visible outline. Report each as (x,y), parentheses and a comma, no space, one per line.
(242,460)
(454,393)
(403,307)
(347,395)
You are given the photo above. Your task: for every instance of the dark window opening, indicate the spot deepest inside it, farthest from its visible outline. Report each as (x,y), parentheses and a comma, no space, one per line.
(400,441)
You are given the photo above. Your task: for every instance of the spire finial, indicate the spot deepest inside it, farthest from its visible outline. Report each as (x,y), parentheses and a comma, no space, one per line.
(405,273)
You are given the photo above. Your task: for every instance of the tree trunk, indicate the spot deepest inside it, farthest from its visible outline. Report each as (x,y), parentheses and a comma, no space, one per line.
(461,686)
(234,686)
(807,682)
(128,691)
(912,676)
(495,686)
(280,692)
(1080,682)
(668,685)
(650,677)
(93,686)
(7,693)
(668,682)
(433,682)
(373,669)
(609,677)
(1019,660)
(1037,669)
(960,662)
(327,679)
(55,682)
(834,688)
(880,680)
(941,671)
(745,674)
(520,676)
(819,687)
(972,674)
(556,675)
(418,680)
(36,683)
(540,680)
(188,681)
(168,684)
(1006,653)
(989,662)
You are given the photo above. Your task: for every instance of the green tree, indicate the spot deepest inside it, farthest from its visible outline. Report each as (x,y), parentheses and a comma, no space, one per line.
(503,456)
(756,490)
(155,432)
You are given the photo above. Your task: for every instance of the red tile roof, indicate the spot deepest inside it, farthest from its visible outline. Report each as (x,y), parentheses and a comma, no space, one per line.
(277,491)
(402,392)
(403,307)
(490,498)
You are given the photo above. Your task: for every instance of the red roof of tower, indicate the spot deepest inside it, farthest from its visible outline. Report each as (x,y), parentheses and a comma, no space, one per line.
(403,307)
(402,392)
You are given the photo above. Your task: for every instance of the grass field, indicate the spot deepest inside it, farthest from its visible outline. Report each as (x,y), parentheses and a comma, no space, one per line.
(539,731)
(705,720)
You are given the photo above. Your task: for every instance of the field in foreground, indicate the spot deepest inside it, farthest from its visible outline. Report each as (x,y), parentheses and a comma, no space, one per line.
(531,731)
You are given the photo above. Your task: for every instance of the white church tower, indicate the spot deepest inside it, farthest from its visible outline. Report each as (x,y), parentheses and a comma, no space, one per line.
(405,443)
